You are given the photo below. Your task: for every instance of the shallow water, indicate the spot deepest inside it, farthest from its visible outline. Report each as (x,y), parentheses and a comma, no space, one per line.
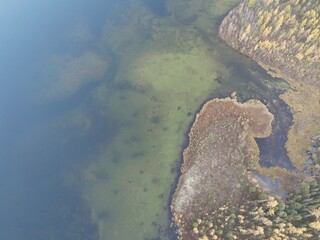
(95,109)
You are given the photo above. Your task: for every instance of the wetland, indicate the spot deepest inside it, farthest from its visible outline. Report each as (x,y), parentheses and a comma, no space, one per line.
(92,139)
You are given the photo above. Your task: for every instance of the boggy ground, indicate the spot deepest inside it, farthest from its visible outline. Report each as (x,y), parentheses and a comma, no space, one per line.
(283,37)
(221,153)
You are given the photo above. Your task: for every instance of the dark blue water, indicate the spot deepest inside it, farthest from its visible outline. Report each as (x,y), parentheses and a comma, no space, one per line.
(35,203)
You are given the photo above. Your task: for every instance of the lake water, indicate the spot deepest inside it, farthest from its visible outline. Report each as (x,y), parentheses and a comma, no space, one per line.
(96,100)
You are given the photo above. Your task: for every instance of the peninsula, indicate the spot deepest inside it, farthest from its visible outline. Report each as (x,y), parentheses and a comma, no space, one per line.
(219,195)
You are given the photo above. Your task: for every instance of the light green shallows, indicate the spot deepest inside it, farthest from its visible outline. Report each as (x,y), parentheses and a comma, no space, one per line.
(165,72)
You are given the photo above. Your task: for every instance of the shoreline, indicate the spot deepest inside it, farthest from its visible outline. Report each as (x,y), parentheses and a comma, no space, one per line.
(173,228)
(303,90)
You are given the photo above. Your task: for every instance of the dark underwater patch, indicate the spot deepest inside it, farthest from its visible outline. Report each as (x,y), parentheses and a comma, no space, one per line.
(158,7)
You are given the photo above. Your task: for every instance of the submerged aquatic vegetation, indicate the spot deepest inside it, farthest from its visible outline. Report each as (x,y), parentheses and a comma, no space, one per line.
(164,71)
(65,74)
